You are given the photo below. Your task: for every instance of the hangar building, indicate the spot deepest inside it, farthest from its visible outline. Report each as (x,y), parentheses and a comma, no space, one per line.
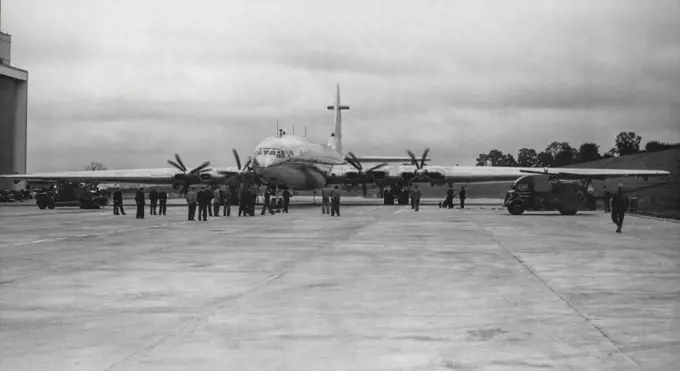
(13,113)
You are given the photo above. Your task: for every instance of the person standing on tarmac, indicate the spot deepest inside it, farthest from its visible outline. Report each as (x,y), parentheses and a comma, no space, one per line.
(335,201)
(620,203)
(217,201)
(243,201)
(450,194)
(268,192)
(606,198)
(462,197)
(415,197)
(163,198)
(118,202)
(139,200)
(286,200)
(191,201)
(325,201)
(153,198)
(204,204)
(225,196)
(209,197)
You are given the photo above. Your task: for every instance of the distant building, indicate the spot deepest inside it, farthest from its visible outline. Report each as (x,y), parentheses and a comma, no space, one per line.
(13,112)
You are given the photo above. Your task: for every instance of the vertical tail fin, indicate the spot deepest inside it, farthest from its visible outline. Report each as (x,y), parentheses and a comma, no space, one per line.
(335,140)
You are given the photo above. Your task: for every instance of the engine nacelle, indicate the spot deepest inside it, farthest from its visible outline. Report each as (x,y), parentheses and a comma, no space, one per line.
(205,177)
(351,175)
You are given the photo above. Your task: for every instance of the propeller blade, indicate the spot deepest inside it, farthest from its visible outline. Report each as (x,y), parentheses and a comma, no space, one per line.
(179,161)
(238,159)
(354,164)
(356,161)
(198,169)
(422,160)
(175,165)
(414,161)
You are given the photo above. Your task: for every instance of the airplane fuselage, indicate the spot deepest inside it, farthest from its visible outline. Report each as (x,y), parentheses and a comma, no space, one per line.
(295,162)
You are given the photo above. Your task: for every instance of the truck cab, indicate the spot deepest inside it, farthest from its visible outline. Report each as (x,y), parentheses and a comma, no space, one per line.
(541,193)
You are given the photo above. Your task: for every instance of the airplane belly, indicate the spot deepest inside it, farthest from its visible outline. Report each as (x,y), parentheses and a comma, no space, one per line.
(295,177)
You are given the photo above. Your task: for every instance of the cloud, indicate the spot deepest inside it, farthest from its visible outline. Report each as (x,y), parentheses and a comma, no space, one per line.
(129,83)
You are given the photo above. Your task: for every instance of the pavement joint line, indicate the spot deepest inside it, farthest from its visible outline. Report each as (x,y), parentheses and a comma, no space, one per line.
(230,298)
(535,275)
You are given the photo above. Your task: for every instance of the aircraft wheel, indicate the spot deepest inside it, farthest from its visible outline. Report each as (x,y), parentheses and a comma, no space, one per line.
(50,206)
(516,209)
(567,212)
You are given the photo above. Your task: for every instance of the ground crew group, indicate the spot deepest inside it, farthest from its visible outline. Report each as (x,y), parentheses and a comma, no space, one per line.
(330,201)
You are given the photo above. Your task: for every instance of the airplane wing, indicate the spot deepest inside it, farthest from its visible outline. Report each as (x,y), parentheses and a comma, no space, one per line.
(388,159)
(144,176)
(574,173)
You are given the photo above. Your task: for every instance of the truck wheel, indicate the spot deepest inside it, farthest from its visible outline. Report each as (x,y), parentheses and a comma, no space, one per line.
(50,206)
(567,212)
(42,205)
(516,208)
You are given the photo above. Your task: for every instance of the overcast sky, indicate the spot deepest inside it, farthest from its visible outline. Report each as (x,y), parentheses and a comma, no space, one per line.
(129,83)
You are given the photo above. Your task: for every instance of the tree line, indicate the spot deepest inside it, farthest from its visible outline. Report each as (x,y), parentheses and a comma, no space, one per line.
(562,153)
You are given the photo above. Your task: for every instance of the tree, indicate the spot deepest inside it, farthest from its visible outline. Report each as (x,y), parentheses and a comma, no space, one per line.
(611,153)
(589,152)
(95,166)
(656,146)
(507,160)
(627,143)
(545,159)
(565,157)
(527,157)
(482,159)
(496,157)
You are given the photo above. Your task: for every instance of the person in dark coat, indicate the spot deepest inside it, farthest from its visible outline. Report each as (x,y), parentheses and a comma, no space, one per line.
(118,202)
(462,197)
(267,201)
(153,198)
(620,204)
(203,204)
(163,198)
(415,197)
(286,200)
(139,199)
(244,201)
(335,200)
(225,196)
(450,193)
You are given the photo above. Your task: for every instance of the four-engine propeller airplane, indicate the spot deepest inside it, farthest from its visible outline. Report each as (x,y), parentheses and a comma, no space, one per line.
(300,164)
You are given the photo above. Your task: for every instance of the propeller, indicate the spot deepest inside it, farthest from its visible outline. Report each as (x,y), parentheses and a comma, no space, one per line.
(248,169)
(419,172)
(354,161)
(187,178)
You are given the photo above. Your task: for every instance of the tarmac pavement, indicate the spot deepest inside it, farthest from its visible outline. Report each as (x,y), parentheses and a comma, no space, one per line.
(379,288)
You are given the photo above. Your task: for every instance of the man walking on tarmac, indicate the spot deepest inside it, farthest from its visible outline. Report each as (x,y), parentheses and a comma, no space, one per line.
(620,203)
(415,197)
(335,201)
(217,201)
(118,202)
(325,201)
(163,198)
(286,200)
(153,197)
(191,201)
(139,199)
(462,197)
